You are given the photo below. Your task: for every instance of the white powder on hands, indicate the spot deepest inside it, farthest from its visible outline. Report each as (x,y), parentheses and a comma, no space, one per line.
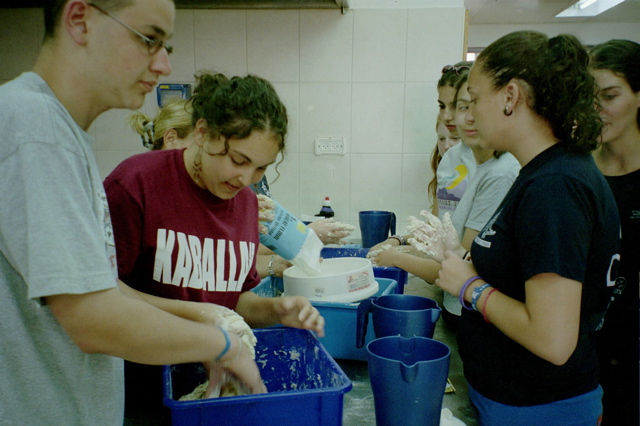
(266,212)
(433,236)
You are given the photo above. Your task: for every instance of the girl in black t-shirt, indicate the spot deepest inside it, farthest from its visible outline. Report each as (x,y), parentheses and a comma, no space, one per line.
(543,268)
(616,68)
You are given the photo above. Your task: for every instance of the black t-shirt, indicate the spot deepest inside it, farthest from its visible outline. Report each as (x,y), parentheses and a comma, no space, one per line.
(620,330)
(558,217)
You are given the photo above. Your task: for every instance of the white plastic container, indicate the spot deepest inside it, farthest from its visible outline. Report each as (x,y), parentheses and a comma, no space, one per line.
(348,279)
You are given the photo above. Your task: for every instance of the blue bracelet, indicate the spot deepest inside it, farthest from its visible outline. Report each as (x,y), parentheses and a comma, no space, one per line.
(464,288)
(227,343)
(476,295)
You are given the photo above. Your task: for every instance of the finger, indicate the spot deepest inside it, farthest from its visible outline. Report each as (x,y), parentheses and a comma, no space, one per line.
(304,312)
(259,387)
(319,327)
(315,323)
(216,378)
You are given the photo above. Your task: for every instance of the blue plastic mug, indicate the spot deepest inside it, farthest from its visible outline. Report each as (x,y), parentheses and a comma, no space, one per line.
(375,226)
(408,377)
(397,315)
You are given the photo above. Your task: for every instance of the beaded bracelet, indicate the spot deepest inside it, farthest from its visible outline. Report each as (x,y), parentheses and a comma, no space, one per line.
(477,292)
(272,273)
(464,288)
(227,343)
(484,306)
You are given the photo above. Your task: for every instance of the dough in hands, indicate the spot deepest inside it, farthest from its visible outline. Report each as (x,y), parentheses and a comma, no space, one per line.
(228,385)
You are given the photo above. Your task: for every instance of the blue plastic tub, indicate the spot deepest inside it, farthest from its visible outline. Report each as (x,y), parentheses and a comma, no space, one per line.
(305,386)
(400,275)
(340,319)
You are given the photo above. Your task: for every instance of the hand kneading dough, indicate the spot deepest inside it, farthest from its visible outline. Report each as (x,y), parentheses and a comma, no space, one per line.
(229,386)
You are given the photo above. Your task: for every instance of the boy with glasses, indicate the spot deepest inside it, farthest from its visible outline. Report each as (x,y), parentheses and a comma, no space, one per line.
(65,321)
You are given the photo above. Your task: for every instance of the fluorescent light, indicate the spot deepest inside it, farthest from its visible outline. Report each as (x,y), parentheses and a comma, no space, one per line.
(582,4)
(585,8)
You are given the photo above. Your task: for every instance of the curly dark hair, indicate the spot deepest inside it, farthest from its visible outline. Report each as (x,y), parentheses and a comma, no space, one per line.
(235,107)
(555,75)
(622,57)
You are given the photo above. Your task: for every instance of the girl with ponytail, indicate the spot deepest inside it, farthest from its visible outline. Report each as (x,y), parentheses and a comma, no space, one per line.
(542,269)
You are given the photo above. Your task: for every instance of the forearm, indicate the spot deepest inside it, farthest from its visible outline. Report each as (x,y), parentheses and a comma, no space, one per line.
(427,269)
(391,241)
(548,328)
(183,309)
(208,313)
(262,249)
(112,323)
(257,311)
(262,265)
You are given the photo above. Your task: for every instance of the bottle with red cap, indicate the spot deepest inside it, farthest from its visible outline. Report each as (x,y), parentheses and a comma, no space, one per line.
(326,210)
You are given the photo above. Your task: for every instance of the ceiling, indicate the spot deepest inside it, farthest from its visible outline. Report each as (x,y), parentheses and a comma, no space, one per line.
(480,11)
(543,12)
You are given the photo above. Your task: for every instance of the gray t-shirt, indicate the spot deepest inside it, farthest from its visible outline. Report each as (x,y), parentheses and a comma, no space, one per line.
(490,183)
(455,171)
(55,238)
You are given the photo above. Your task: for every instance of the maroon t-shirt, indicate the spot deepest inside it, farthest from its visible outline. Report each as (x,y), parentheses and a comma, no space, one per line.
(177,240)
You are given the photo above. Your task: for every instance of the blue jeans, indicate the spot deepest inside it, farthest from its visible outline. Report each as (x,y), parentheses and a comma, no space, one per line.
(582,410)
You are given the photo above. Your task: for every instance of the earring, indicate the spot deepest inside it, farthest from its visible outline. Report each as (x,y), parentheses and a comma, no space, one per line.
(573,129)
(507,111)
(197,166)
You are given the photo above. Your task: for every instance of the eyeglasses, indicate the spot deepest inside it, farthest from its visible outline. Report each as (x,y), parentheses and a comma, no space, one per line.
(153,45)
(458,70)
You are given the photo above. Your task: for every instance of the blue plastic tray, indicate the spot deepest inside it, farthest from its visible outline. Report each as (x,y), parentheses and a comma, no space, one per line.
(340,319)
(306,386)
(400,275)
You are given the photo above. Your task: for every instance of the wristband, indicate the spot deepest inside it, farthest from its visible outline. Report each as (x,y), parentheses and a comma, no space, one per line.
(272,273)
(484,306)
(226,364)
(400,239)
(477,292)
(227,343)
(464,288)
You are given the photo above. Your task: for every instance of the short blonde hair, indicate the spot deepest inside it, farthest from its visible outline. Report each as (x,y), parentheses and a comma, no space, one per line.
(175,114)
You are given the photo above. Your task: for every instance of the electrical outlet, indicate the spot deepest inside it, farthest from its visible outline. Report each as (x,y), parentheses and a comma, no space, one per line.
(329,146)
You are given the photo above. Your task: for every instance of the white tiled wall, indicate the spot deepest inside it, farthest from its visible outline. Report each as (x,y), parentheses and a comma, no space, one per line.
(368,76)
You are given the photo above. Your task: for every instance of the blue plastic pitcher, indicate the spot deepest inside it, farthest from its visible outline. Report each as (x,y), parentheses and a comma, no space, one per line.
(397,315)
(408,377)
(375,226)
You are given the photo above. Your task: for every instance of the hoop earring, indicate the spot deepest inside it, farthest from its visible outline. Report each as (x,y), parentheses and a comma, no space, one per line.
(506,111)
(197,166)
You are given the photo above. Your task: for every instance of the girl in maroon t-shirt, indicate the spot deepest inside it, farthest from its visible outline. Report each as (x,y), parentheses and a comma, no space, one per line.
(186,221)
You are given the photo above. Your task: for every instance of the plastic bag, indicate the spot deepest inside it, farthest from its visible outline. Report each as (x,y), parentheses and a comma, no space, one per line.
(287,236)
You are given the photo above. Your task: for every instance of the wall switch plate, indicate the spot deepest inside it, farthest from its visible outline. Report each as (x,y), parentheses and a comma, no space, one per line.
(329,146)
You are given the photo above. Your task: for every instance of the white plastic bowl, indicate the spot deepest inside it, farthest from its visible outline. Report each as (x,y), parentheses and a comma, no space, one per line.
(344,279)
